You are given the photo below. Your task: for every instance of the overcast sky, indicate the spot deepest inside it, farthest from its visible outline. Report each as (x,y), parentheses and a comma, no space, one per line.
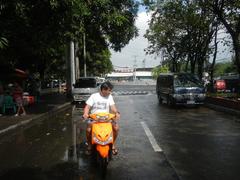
(134,51)
(135,48)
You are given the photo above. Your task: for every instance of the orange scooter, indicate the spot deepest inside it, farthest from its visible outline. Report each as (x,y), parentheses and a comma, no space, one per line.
(102,137)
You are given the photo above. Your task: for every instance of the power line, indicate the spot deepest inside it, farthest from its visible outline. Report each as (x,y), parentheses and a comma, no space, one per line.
(223,59)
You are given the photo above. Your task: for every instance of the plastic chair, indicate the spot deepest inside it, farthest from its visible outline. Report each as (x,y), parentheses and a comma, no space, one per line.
(8,103)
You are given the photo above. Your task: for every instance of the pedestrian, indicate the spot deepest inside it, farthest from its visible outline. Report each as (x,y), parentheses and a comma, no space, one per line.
(18,97)
(102,102)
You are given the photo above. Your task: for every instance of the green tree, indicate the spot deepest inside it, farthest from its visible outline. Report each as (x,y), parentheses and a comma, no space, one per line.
(98,54)
(3,42)
(159,69)
(224,68)
(38,31)
(108,24)
(228,13)
(35,38)
(182,30)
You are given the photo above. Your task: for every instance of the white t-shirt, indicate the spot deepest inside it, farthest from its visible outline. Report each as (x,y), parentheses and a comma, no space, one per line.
(100,103)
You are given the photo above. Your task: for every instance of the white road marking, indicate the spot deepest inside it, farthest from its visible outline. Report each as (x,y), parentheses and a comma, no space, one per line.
(151,138)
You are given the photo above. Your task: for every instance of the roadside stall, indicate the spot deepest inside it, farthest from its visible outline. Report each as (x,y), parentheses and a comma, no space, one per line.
(9,75)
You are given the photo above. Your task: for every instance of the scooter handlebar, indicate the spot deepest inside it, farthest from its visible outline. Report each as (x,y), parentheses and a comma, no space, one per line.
(102,116)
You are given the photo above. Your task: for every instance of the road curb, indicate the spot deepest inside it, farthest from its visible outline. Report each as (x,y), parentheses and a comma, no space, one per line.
(223,109)
(40,116)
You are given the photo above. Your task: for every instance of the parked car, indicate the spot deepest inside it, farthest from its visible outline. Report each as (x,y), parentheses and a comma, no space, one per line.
(83,88)
(180,88)
(220,85)
(100,80)
(228,83)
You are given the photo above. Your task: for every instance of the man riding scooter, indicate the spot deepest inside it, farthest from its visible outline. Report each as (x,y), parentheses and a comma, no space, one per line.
(101,102)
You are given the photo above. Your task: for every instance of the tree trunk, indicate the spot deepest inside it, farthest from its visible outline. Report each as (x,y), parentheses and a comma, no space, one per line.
(200,68)
(193,63)
(214,59)
(236,46)
(186,66)
(235,33)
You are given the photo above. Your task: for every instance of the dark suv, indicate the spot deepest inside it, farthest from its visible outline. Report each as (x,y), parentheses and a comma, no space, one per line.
(180,88)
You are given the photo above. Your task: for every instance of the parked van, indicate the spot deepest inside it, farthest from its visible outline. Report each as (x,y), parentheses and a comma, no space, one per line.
(180,88)
(83,88)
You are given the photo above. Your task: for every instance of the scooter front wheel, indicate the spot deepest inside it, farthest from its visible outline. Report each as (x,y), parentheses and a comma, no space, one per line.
(103,163)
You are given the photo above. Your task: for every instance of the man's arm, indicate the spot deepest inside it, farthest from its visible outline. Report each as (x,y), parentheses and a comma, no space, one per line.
(115,111)
(86,111)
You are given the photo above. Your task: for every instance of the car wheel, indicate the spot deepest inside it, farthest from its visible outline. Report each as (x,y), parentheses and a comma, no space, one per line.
(160,100)
(170,101)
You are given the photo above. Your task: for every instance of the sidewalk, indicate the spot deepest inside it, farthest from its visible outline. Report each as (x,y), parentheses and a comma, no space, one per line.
(47,103)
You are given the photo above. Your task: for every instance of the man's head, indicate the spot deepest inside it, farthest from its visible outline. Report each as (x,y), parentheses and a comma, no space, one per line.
(106,88)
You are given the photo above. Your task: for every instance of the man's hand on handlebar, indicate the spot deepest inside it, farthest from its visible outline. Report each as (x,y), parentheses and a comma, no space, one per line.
(117,116)
(85,116)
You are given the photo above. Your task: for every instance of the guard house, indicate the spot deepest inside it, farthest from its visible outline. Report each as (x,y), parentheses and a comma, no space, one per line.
(118,76)
(128,74)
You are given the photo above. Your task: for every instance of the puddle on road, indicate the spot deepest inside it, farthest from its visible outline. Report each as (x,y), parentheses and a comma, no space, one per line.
(50,149)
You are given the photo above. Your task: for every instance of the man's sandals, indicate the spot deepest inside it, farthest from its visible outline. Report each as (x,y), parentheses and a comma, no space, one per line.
(114,151)
(88,151)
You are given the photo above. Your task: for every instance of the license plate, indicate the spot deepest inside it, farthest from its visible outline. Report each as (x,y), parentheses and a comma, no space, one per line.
(190,102)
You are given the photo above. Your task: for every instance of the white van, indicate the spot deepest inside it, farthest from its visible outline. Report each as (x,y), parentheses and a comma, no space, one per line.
(83,88)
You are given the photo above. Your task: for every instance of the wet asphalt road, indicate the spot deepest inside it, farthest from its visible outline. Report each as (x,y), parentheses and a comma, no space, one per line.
(197,143)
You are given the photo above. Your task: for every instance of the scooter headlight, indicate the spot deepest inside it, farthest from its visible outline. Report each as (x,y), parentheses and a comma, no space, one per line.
(98,141)
(102,117)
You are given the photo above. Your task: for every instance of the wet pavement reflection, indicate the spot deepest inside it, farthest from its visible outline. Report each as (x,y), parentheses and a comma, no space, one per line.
(54,149)
(35,149)
(49,149)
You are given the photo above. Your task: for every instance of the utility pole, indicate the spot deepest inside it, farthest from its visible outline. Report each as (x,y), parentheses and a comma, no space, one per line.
(72,64)
(144,63)
(134,67)
(77,68)
(70,76)
(84,55)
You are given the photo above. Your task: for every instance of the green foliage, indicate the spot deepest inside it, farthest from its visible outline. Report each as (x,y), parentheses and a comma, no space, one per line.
(228,14)
(37,32)
(224,68)
(160,69)
(3,42)
(181,30)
